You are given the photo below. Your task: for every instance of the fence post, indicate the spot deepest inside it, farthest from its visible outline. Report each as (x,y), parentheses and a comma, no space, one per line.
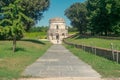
(95,50)
(92,46)
(82,46)
(74,45)
(117,56)
(112,51)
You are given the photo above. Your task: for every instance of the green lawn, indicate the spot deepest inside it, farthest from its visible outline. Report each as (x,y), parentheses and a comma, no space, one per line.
(35,35)
(104,43)
(105,67)
(72,32)
(12,64)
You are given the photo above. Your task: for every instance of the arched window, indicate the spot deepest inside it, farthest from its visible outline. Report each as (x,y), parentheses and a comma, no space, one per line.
(63,34)
(57,27)
(57,36)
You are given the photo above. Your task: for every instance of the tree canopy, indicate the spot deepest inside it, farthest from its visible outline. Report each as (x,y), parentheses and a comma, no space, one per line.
(32,8)
(103,15)
(99,16)
(18,15)
(77,15)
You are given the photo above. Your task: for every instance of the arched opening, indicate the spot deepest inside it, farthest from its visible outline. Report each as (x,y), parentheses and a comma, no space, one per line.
(63,35)
(57,36)
(57,27)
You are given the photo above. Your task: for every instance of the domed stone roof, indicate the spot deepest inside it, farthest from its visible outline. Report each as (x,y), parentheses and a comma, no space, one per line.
(57,19)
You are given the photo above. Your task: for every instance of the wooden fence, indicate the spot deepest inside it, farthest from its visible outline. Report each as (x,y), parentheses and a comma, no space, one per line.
(110,54)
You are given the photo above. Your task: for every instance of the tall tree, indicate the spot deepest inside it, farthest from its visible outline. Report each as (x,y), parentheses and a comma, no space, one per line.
(103,15)
(115,16)
(13,15)
(33,9)
(77,15)
(92,9)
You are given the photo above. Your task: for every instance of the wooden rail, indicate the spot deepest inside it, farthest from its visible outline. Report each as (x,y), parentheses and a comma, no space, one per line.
(106,53)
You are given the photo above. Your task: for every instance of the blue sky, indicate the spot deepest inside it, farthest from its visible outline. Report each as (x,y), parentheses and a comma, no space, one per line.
(56,9)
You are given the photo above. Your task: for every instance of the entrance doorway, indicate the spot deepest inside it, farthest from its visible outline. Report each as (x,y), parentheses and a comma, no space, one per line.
(57,38)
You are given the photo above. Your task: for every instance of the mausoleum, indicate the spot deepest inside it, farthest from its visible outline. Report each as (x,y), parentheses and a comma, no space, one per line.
(57,30)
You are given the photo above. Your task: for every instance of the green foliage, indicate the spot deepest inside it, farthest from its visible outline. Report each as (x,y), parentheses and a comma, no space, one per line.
(35,35)
(103,15)
(32,8)
(116,29)
(72,29)
(5,33)
(39,29)
(105,67)
(77,15)
(35,8)
(27,51)
(13,17)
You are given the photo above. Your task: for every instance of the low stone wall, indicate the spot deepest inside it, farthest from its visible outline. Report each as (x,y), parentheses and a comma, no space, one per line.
(106,53)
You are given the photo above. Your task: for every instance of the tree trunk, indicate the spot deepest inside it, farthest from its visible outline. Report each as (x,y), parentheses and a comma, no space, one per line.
(14,43)
(80,30)
(106,32)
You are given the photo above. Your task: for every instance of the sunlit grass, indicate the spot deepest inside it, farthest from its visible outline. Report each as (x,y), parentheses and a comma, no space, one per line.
(97,42)
(12,64)
(35,35)
(105,67)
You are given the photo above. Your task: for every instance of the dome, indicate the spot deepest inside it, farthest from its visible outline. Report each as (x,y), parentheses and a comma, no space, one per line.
(56,20)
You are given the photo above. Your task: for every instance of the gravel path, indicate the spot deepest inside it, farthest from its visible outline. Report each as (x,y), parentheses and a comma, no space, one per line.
(58,63)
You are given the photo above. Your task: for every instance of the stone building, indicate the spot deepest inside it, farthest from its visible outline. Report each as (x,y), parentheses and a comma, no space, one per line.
(57,30)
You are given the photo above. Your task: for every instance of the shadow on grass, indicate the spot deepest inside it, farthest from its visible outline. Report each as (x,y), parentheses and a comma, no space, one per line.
(34,41)
(17,49)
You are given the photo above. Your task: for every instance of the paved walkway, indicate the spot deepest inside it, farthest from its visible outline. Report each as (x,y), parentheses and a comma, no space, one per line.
(58,62)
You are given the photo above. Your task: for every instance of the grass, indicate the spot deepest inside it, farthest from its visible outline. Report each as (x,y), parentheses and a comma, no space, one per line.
(72,32)
(35,35)
(12,64)
(104,43)
(107,68)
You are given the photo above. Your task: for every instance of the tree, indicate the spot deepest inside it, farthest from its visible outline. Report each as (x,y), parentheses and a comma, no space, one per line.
(39,29)
(115,16)
(72,29)
(91,7)
(32,8)
(77,15)
(13,15)
(103,15)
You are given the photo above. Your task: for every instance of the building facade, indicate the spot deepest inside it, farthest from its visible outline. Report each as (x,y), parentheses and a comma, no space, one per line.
(57,30)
